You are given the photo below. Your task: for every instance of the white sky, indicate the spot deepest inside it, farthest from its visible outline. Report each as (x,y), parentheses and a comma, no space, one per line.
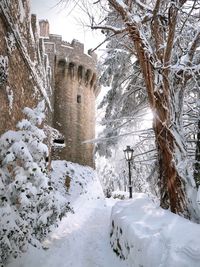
(65,20)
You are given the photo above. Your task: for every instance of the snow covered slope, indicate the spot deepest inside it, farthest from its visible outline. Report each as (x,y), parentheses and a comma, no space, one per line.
(142,234)
(148,236)
(82,238)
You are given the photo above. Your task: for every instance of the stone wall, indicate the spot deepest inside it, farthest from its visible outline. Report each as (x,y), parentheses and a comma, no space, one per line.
(23,78)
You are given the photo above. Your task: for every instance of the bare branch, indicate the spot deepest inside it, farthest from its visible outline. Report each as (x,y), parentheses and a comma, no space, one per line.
(172,17)
(103,42)
(108,28)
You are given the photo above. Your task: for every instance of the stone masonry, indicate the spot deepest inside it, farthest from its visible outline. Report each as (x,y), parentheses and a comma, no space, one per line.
(74,90)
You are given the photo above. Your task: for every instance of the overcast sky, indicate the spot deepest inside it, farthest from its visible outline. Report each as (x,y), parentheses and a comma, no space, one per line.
(65,20)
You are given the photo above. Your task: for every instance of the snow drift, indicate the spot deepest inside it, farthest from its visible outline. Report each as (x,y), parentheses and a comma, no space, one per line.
(148,236)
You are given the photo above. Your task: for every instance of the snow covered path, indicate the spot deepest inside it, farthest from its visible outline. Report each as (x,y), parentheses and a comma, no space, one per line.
(81,240)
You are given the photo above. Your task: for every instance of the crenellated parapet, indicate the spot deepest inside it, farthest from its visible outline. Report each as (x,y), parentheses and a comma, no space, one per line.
(70,58)
(86,77)
(73,50)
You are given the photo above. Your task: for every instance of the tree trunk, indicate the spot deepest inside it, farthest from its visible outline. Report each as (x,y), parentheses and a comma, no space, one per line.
(171,184)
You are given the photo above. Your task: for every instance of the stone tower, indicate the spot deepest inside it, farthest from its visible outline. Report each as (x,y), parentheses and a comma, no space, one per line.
(74,90)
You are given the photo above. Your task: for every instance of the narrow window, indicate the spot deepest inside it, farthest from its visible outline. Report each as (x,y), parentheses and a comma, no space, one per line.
(88,76)
(59,141)
(71,69)
(61,63)
(78,98)
(80,73)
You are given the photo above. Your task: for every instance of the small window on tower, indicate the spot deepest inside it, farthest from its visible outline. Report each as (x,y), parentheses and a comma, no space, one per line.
(78,98)
(59,141)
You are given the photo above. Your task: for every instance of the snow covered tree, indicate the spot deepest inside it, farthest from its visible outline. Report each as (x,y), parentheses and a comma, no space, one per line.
(165,38)
(29,205)
(191,125)
(126,107)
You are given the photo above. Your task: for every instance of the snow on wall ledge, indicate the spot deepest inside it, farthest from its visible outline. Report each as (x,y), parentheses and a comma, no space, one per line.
(148,236)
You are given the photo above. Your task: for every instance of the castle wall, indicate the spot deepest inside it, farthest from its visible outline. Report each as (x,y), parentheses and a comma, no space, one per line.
(21,63)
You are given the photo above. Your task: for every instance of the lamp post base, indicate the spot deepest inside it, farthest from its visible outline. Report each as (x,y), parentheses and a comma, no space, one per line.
(130,191)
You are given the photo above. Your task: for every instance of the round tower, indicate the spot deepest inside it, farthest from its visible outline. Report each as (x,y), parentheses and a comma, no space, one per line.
(74,100)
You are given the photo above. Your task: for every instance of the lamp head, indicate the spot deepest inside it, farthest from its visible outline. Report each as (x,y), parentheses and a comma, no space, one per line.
(128,152)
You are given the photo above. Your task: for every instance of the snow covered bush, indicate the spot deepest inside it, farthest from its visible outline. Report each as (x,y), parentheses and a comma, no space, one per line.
(120,195)
(29,205)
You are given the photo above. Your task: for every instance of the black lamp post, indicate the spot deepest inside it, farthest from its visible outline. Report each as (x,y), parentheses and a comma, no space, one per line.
(128,152)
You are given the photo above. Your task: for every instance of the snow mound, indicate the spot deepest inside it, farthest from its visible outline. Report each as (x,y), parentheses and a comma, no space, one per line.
(73,180)
(148,236)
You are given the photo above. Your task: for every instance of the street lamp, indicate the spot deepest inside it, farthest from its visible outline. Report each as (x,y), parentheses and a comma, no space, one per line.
(128,152)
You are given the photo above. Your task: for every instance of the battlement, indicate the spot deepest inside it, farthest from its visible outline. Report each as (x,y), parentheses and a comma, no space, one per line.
(71,57)
(85,77)
(74,51)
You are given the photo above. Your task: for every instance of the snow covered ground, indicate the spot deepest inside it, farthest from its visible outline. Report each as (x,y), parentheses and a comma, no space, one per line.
(82,238)
(141,233)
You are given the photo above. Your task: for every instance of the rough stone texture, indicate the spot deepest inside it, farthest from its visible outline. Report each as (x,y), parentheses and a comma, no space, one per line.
(19,45)
(74,91)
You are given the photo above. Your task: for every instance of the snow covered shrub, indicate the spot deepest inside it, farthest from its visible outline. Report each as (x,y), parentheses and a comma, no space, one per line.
(29,205)
(120,195)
